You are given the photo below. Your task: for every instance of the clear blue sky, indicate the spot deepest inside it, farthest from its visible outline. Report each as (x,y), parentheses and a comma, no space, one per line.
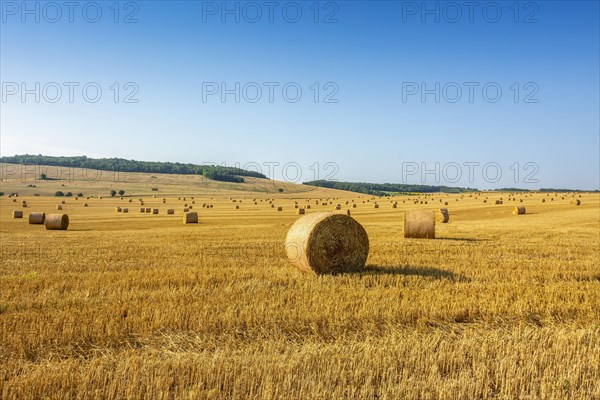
(374,58)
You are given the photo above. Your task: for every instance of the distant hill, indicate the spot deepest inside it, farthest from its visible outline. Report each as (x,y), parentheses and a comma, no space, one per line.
(385,189)
(214,172)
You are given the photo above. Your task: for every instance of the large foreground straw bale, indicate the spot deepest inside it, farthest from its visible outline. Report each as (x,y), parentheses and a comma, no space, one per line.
(519,210)
(37,218)
(57,222)
(190,217)
(419,224)
(326,243)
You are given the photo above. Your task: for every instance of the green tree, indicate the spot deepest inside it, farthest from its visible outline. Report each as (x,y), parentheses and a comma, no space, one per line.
(80,194)
(113,193)
(121,192)
(69,194)
(43,177)
(59,193)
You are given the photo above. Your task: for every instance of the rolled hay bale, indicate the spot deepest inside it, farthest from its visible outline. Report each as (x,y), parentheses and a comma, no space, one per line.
(520,200)
(37,218)
(118,209)
(354,205)
(57,222)
(279,208)
(190,207)
(325,243)
(442,215)
(130,200)
(17,214)
(375,205)
(338,206)
(126,210)
(576,202)
(58,207)
(85,204)
(141,203)
(348,212)
(14,200)
(543,200)
(164,201)
(190,218)
(394,205)
(308,206)
(63,202)
(296,206)
(155,211)
(142,210)
(445,203)
(185,209)
(301,211)
(272,205)
(211,206)
(148,210)
(237,207)
(498,202)
(518,210)
(170,211)
(419,224)
(24,204)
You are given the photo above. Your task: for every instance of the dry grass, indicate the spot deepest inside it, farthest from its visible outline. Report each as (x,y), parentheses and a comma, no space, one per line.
(141,306)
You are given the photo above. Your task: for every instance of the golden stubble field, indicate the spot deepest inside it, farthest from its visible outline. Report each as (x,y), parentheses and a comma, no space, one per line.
(141,306)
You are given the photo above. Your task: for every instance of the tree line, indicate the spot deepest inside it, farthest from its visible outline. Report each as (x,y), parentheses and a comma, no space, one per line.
(214,172)
(386,189)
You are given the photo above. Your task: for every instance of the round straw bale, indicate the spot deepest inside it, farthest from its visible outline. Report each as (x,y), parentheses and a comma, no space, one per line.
(14,200)
(126,210)
(325,243)
(442,215)
(142,210)
(237,207)
(419,224)
(445,203)
(118,209)
(56,222)
(155,211)
(185,209)
(58,207)
(375,205)
(394,205)
(279,208)
(85,204)
(17,214)
(576,202)
(63,202)
(301,211)
(543,200)
(148,210)
(170,211)
(190,217)
(37,218)
(348,212)
(498,202)
(518,210)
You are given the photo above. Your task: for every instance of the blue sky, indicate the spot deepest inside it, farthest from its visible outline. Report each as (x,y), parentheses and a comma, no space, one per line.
(370,61)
